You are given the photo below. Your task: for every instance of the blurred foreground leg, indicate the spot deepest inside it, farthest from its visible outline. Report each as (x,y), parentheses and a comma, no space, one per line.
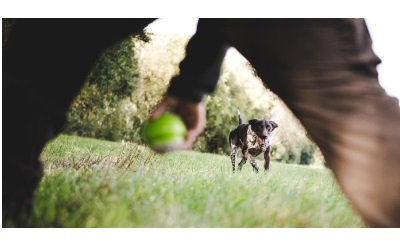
(325,71)
(45,63)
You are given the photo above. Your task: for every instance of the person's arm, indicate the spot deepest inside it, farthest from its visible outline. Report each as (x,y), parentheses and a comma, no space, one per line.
(200,69)
(199,73)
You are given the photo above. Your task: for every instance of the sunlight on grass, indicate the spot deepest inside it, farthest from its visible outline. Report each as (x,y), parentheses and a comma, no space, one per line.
(91,183)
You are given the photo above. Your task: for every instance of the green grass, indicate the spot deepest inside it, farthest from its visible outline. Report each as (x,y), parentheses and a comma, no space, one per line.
(92,183)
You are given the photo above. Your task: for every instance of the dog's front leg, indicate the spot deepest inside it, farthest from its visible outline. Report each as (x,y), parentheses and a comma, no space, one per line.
(241,163)
(266,160)
(244,159)
(252,162)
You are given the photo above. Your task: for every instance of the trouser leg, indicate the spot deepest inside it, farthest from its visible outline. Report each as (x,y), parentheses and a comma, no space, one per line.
(253,163)
(45,63)
(325,71)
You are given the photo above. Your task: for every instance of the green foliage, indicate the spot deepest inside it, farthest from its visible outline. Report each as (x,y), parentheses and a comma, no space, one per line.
(126,83)
(158,62)
(222,111)
(291,143)
(99,110)
(92,183)
(95,114)
(130,79)
(116,71)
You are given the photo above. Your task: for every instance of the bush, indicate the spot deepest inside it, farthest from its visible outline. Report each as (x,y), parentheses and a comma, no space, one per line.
(291,143)
(238,89)
(131,78)
(96,114)
(98,110)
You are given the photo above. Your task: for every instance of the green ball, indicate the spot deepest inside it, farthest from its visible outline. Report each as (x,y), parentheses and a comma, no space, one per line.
(166,133)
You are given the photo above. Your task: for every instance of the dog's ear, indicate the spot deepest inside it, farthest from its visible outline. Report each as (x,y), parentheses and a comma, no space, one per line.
(252,121)
(274,125)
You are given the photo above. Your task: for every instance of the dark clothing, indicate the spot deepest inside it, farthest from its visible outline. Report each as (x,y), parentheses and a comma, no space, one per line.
(323,69)
(45,64)
(280,49)
(325,72)
(199,71)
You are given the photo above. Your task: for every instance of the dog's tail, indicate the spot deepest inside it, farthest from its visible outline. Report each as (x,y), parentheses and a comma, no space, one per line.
(240,118)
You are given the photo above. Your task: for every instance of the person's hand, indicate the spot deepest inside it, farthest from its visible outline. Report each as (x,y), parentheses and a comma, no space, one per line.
(193,115)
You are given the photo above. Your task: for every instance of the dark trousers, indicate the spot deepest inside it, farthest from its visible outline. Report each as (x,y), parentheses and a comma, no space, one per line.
(325,72)
(45,63)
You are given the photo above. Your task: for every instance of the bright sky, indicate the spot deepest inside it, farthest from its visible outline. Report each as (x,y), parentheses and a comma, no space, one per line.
(385,35)
(384,32)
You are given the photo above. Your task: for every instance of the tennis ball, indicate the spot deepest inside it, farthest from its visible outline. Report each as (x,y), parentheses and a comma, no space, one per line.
(165,133)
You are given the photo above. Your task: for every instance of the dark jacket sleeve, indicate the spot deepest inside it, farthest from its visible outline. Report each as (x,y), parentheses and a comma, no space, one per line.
(201,67)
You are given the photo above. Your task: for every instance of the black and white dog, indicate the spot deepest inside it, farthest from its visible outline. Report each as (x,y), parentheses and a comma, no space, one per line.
(253,139)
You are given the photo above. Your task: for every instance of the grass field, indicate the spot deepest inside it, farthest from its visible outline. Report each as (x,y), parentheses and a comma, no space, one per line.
(92,183)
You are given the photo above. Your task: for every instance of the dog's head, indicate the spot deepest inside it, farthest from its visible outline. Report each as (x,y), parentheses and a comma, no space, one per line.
(262,128)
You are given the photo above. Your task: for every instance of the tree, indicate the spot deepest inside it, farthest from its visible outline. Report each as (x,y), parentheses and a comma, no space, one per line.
(131,77)
(97,110)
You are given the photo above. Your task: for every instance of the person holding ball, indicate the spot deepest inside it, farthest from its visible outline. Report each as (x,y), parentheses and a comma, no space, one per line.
(166,133)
